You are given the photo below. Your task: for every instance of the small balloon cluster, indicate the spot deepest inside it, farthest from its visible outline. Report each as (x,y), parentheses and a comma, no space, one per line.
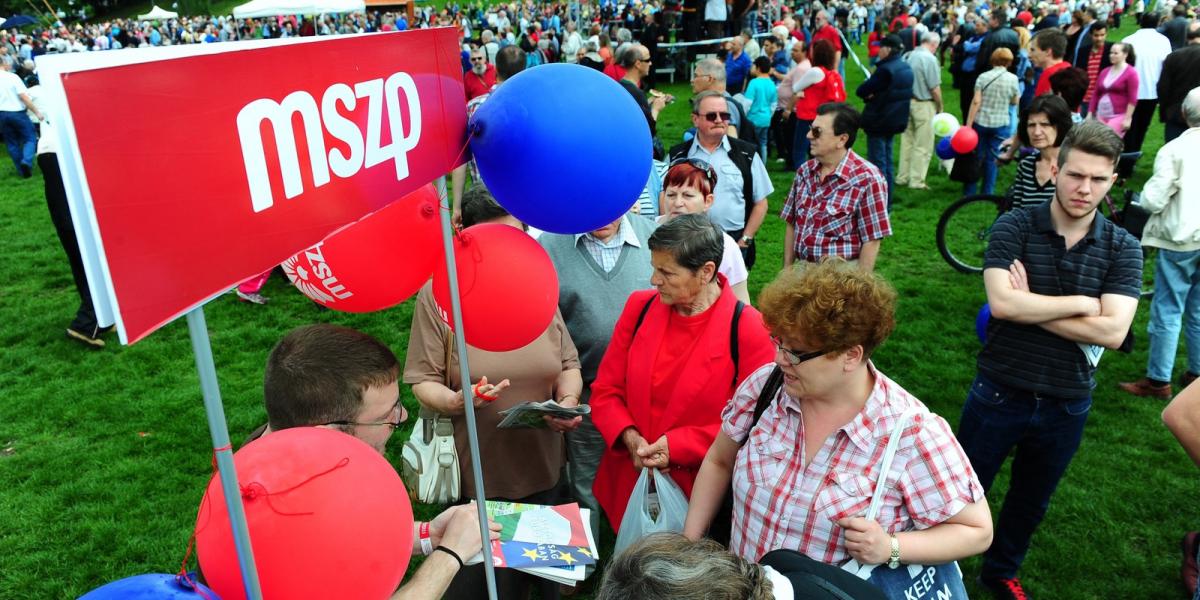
(954,140)
(561,147)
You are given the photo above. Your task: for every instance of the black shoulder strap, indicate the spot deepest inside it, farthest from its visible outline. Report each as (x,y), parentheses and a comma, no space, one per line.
(743,159)
(642,315)
(733,338)
(765,396)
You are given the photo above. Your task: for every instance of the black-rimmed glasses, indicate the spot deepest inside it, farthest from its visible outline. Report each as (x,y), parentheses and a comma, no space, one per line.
(794,357)
(393,424)
(704,167)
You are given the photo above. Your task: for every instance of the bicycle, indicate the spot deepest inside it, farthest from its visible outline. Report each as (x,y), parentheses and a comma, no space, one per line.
(965,226)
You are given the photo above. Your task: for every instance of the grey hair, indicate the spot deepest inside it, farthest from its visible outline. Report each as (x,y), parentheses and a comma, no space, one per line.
(624,35)
(931,37)
(698,98)
(668,566)
(487,36)
(692,240)
(713,68)
(1191,108)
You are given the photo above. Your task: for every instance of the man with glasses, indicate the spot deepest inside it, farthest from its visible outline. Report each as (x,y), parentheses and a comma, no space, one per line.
(635,58)
(740,195)
(837,205)
(481,78)
(330,376)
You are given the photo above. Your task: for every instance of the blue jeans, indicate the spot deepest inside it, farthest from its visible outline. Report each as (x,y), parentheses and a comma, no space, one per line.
(1046,432)
(763,137)
(20,138)
(1176,300)
(989,144)
(800,143)
(879,152)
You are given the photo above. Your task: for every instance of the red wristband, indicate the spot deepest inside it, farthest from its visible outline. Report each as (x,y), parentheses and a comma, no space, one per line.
(426,542)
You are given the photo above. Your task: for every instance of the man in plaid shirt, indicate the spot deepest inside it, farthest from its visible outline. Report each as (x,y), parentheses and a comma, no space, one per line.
(838,203)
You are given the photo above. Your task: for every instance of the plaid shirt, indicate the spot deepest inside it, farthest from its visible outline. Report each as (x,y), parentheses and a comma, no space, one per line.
(779,502)
(607,253)
(997,89)
(836,215)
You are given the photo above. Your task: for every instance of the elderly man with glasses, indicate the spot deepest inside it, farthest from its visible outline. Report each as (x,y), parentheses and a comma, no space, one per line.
(481,78)
(740,197)
(838,203)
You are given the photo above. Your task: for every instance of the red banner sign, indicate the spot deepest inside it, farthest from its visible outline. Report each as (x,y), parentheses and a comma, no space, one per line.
(204,171)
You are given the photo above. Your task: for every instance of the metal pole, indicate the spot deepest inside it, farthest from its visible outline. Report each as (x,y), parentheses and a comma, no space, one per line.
(460,342)
(202,350)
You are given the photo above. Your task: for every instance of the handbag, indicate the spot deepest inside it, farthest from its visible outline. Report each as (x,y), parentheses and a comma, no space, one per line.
(429,459)
(943,581)
(663,509)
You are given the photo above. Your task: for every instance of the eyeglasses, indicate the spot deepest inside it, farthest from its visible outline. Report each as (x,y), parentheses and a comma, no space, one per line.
(393,424)
(793,357)
(815,132)
(702,166)
(713,116)
(476,59)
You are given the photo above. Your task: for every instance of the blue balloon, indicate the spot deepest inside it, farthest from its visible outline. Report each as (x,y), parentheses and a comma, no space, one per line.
(944,150)
(153,586)
(562,147)
(981,322)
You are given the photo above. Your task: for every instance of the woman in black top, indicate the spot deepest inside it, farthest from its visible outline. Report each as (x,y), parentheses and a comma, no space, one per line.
(1043,126)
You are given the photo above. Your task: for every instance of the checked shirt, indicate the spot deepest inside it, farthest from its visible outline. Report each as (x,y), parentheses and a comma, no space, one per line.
(836,215)
(779,502)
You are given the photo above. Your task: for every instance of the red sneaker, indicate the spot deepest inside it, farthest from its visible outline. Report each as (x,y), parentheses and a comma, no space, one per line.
(1005,589)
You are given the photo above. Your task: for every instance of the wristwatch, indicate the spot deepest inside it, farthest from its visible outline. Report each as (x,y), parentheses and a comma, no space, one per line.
(894,560)
(746,238)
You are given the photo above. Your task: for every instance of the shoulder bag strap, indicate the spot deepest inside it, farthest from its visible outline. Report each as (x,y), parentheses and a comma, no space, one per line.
(733,337)
(428,418)
(886,464)
(765,396)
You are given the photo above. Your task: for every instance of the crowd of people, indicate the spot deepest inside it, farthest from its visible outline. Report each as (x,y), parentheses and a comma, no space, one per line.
(768,412)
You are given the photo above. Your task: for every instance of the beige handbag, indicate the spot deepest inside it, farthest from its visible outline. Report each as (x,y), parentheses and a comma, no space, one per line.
(429,458)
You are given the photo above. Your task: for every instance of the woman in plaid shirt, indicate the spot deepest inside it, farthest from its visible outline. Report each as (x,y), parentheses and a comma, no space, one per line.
(803,475)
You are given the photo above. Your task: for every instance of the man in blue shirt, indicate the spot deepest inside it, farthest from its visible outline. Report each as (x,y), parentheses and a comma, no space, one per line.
(737,67)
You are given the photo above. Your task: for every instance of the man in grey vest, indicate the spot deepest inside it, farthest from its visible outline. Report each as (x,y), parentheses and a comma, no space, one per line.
(597,271)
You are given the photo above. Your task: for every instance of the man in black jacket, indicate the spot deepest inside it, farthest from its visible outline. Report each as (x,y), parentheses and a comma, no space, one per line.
(1180,73)
(1176,28)
(1001,36)
(888,94)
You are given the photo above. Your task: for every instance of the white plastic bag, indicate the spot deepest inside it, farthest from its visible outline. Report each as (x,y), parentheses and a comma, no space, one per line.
(663,509)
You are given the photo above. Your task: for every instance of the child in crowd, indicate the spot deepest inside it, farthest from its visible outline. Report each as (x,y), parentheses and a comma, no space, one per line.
(762,96)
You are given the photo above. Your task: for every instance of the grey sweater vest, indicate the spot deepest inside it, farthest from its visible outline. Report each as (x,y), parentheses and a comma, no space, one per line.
(590,299)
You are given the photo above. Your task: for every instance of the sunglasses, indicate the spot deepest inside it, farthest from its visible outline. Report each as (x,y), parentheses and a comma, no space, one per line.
(703,167)
(794,358)
(815,132)
(479,59)
(713,116)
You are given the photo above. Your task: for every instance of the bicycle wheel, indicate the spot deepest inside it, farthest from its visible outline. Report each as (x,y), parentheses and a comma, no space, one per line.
(964,229)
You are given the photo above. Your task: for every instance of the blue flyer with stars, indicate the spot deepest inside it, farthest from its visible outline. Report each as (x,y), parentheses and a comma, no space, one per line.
(554,542)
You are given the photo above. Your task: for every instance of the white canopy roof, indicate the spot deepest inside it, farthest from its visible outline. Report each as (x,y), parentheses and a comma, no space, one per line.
(271,8)
(158,14)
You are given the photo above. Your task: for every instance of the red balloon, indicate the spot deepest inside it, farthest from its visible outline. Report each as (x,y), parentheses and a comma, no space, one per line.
(508,287)
(376,262)
(328,518)
(964,140)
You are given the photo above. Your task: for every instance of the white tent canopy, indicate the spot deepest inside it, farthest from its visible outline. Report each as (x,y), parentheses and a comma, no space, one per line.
(272,8)
(158,14)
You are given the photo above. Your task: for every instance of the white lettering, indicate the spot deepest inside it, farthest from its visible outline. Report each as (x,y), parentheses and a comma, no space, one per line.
(379,95)
(944,593)
(921,586)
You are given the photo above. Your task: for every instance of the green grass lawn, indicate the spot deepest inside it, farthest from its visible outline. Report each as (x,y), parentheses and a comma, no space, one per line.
(104,455)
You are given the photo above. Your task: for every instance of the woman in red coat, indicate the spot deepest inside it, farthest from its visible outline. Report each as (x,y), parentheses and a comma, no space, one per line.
(669,369)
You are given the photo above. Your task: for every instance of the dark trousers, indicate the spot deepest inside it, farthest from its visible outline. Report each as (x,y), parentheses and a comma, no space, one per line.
(800,143)
(879,153)
(1142,115)
(1045,432)
(748,254)
(20,138)
(1172,130)
(781,132)
(470,583)
(60,215)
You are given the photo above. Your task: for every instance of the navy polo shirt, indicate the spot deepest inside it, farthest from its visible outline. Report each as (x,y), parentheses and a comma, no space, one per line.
(1108,260)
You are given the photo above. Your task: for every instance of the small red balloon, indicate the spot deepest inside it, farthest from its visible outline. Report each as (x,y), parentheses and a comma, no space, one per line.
(964,140)
(328,518)
(507,284)
(376,262)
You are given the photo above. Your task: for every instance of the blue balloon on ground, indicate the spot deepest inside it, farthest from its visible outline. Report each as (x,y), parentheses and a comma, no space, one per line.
(981,322)
(944,150)
(562,147)
(152,586)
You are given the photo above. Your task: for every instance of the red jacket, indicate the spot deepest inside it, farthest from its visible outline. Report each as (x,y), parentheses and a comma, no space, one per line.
(692,417)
